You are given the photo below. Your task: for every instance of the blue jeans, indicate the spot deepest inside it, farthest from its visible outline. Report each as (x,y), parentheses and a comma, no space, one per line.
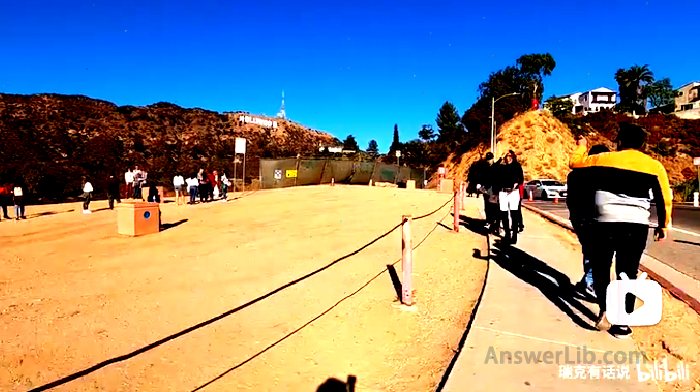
(137,190)
(224,189)
(193,194)
(584,230)
(19,211)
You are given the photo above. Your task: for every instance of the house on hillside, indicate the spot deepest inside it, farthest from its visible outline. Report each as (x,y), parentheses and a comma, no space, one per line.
(592,100)
(688,101)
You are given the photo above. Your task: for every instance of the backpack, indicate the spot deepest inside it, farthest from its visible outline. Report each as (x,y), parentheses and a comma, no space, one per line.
(18,191)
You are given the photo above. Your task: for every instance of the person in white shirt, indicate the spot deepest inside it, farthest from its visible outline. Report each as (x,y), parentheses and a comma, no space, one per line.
(87,189)
(193,187)
(137,183)
(129,178)
(179,182)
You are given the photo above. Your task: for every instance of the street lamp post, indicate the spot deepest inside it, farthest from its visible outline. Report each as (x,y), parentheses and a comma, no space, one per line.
(493,134)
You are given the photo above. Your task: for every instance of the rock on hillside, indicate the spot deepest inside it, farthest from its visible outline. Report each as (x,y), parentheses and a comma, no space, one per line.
(542,144)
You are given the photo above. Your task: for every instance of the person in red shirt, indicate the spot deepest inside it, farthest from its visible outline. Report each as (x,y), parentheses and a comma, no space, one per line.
(5,198)
(212,183)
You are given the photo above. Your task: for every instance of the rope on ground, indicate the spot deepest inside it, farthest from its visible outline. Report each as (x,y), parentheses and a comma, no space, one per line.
(166,339)
(285,337)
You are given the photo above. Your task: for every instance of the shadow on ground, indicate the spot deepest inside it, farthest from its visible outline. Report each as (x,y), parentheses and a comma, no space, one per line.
(555,286)
(335,385)
(46,213)
(687,242)
(166,226)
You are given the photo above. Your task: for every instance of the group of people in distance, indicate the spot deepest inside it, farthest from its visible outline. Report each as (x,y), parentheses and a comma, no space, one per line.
(609,198)
(501,184)
(12,194)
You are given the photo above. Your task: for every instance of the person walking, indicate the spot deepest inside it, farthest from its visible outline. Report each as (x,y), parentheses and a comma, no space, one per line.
(481,176)
(626,182)
(129,179)
(225,183)
(87,193)
(113,190)
(203,190)
(510,176)
(582,213)
(137,183)
(192,187)
(179,183)
(18,197)
(5,198)
(211,184)
(215,185)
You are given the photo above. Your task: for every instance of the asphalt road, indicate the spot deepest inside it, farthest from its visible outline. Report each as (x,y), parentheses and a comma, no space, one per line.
(680,251)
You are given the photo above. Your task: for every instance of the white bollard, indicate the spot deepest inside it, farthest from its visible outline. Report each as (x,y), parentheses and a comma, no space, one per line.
(695,199)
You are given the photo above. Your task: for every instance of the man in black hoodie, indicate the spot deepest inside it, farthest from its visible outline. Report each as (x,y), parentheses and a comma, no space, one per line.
(480,174)
(510,176)
(113,190)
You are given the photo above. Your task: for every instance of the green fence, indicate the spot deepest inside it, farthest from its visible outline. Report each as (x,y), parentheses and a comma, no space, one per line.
(281,173)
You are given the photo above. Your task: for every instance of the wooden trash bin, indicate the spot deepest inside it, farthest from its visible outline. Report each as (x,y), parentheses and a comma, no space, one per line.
(138,218)
(446,186)
(411,184)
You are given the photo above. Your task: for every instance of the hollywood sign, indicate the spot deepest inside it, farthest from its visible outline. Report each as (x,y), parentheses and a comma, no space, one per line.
(259,121)
(332,149)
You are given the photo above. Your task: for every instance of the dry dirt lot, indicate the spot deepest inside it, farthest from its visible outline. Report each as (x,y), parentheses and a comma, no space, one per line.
(75,294)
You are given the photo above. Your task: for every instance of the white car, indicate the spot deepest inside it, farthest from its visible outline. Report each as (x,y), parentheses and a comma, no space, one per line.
(545,189)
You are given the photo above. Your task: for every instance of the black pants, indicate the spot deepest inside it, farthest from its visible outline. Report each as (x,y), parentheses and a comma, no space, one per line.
(4,203)
(88,197)
(111,198)
(627,241)
(487,208)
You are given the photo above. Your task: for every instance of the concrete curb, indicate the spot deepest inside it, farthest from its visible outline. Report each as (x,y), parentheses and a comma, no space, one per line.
(677,283)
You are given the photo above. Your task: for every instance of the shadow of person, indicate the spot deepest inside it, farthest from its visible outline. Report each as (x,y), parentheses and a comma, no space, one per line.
(555,285)
(477,226)
(335,385)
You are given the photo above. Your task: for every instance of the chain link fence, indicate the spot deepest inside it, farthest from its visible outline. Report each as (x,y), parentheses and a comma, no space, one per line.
(281,173)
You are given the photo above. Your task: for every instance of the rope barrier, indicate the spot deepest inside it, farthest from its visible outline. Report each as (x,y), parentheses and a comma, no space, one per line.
(166,339)
(285,337)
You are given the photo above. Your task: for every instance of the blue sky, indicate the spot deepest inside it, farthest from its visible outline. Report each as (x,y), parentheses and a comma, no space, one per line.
(347,67)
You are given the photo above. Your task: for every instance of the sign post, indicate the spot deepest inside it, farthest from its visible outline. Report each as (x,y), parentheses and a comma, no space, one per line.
(398,157)
(406,260)
(240,149)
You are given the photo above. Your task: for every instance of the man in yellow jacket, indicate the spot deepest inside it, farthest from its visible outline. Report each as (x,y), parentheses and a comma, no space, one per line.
(626,182)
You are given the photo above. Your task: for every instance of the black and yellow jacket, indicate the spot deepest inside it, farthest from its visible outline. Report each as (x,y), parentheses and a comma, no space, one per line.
(626,183)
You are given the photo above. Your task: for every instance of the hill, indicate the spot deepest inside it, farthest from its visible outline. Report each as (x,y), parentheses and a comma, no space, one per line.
(544,144)
(52,141)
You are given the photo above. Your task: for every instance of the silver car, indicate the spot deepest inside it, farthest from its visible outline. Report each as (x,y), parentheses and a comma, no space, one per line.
(546,189)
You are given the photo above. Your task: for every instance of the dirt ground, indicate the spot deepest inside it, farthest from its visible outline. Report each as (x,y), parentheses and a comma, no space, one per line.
(75,294)
(676,337)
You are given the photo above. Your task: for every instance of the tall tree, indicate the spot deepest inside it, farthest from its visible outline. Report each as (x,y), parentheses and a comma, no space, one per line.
(426,133)
(373,148)
(533,69)
(632,84)
(395,144)
(449,125)
(350,143)
(660,93)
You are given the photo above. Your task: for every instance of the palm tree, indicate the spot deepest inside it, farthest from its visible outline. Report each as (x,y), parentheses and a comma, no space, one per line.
(632,82)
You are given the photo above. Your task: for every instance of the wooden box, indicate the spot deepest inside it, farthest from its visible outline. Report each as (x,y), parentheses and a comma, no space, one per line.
(411,184)
(138,218)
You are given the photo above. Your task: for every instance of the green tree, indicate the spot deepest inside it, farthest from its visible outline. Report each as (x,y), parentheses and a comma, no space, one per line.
(415,154)
(449,124)
(660,93)
(395,144)
(350,143)
(633,82)
(426,133)
(533,69)
(373,148)
(560,107)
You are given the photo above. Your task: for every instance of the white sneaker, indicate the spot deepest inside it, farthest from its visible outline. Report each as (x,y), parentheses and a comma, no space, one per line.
(87,212)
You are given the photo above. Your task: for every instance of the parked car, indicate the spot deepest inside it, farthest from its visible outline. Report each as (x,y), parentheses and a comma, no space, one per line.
(546,189)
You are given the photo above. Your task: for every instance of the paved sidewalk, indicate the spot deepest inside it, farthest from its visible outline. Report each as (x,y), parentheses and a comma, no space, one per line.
(525,307)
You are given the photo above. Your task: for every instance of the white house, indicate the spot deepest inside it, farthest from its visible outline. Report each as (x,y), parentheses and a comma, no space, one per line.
(687,104)
(592,100)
